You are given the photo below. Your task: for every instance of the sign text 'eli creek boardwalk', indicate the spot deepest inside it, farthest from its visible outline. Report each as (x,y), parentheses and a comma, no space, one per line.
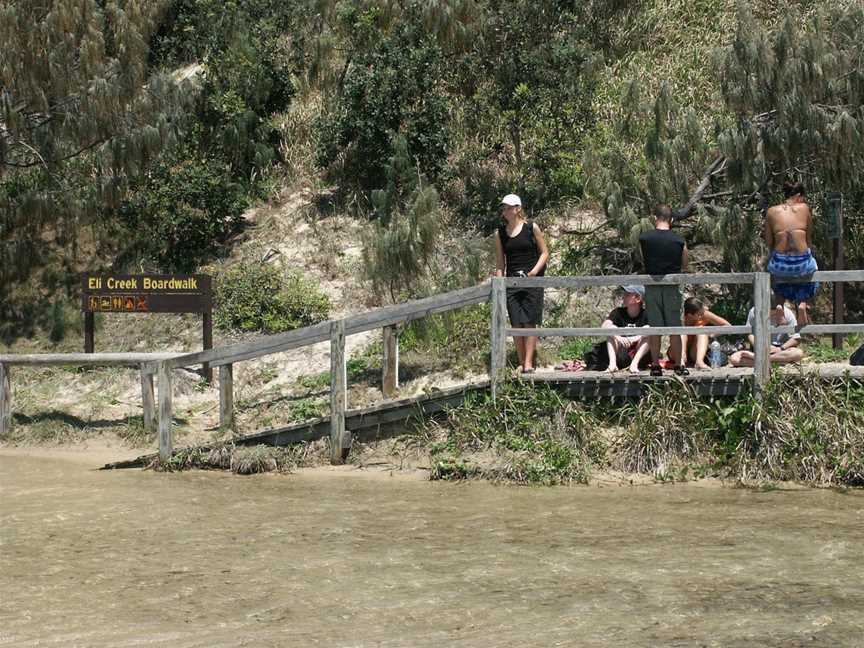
(146,293)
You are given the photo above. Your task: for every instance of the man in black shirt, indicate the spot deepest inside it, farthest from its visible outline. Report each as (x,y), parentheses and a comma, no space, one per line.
(631,314)
(664,252)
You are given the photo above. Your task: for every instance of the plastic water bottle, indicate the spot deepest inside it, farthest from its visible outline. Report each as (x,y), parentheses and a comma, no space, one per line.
(715,355)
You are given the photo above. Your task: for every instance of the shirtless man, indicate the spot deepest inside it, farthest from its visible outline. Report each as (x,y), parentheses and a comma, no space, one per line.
(789,234)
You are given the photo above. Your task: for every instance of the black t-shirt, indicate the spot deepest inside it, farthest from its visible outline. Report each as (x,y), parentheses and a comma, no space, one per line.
(662,251)
(620,318)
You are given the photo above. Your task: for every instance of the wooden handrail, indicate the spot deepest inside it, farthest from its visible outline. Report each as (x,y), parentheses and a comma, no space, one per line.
(378,318)
(85,359)
(629,332)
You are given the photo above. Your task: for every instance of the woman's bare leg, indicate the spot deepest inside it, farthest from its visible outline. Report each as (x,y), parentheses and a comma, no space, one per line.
(701,350)
(530,346)
(520,349)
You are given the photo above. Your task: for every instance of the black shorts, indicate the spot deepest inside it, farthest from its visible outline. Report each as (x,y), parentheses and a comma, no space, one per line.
(525,306)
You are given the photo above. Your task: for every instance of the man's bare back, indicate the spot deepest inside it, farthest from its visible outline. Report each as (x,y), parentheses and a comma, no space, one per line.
(788,227)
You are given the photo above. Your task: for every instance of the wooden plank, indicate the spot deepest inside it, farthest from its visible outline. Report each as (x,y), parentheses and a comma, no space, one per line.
(83,359)
(761,330)
(390,364)
(226,396)
(165,413)
(338,394)
(5,400)
(148,400)
(629,332)
(498,334)
(713,278)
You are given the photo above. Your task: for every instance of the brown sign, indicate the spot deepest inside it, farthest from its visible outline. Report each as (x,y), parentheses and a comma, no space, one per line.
(146,294)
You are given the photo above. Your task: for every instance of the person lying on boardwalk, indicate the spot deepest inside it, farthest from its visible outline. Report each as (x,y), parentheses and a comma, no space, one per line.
(788,235)
(696,346)
(627,352)
(520,251)
(784,348)
(664,252)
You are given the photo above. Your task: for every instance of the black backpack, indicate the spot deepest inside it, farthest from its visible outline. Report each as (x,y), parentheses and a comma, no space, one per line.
(857,358)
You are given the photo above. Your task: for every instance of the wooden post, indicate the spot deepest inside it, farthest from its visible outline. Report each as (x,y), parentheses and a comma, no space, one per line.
(89,334)
(839,301)
(498,361)
(761,331)
(226,396)
(165,414)
(148,400)
(5,400)
(390,370)
(206,369)
(340,440)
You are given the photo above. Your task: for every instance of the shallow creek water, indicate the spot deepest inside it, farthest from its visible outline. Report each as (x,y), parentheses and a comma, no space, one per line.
(131,558)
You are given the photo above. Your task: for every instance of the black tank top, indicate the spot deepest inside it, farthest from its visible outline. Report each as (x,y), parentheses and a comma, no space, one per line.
(520,251)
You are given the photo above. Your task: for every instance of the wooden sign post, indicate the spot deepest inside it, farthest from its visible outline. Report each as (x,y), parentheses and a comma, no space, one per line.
(834,220)
(106,293)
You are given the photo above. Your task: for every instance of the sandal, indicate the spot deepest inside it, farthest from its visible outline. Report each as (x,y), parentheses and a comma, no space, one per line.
(681,370)
(656,370)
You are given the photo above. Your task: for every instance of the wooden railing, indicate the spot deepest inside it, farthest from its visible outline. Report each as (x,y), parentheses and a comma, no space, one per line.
(389,317)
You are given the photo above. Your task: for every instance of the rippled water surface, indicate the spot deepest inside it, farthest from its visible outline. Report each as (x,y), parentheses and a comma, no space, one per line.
(132,558)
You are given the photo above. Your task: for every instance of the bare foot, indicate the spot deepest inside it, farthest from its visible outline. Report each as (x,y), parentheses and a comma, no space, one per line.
(634,369)
(701,366)
(803,314)
(611,368)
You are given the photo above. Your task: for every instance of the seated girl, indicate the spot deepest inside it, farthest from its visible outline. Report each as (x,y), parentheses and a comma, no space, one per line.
(696,346)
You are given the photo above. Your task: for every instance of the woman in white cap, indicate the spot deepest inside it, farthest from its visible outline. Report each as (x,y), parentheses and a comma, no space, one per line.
(520,251)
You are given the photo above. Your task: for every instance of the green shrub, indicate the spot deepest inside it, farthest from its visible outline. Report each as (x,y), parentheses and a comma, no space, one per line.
(186,206)
(258,297)
(529,435)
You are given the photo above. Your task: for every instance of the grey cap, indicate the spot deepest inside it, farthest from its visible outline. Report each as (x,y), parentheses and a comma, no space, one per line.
(635,289)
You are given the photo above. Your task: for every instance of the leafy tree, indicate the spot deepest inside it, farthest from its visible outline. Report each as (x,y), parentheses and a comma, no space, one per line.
(399,244)
(81,116)
(394,84)
(792,107)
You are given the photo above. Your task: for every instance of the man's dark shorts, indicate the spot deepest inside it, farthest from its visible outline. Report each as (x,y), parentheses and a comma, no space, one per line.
(663,305)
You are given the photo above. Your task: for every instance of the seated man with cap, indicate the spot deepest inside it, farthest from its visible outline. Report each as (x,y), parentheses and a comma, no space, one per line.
(627,352)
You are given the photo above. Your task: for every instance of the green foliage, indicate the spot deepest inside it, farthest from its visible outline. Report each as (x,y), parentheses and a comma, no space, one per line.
(434,338)
(399,244)
(178,216)
(575,348)
(259,297)
(533,435)
(791,107)
(82,115)
(58,322)
(395,86)
(802,429)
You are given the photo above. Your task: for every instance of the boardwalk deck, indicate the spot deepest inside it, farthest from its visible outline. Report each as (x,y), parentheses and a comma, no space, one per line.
(392,416)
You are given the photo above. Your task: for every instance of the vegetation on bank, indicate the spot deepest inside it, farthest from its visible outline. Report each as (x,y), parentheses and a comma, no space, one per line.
(803,429)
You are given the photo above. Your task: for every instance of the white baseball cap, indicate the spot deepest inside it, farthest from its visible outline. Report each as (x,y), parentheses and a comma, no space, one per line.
(511,200)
